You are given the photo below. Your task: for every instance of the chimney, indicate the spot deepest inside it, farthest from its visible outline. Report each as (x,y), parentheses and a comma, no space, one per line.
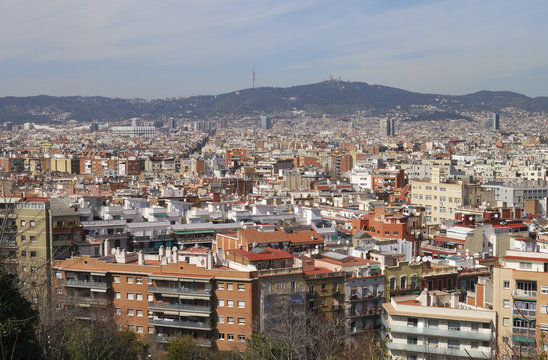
(106,247)
(140,258)
(174,254)
(168,254)
(164,261)
(423,297)
(454,299)
(161,251)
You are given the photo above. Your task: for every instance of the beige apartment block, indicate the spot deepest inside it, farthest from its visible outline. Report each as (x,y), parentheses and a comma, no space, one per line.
(442,198)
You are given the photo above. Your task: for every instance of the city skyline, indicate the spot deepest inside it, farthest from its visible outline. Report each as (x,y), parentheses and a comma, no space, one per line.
(131,49)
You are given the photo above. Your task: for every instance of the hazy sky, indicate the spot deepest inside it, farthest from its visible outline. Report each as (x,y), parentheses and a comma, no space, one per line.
(165,48)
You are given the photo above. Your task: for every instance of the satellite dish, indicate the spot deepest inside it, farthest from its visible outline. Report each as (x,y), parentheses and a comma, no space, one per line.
(429,258)
(471,218)
(496,216)
(418,259)
(424,259)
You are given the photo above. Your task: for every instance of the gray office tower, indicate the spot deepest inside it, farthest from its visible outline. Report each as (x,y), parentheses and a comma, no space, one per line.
(496,122)
(266,123)
(385,127)
(392,127)
(171,123)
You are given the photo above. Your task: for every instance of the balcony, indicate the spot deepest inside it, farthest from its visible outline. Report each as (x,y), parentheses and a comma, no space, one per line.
(518,293)
(181,324)
(180,307)
(438,249)
(357,298)
(447,351)
(83,300)
(455,334)
(147,238)
(206,292)
(369,312)
(524,331)
(83,284)
(524,312)
(199,342)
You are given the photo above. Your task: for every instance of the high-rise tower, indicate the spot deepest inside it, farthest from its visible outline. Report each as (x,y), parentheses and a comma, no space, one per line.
(496,122)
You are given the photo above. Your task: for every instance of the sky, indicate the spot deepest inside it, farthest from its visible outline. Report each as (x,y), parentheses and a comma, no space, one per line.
(171,48)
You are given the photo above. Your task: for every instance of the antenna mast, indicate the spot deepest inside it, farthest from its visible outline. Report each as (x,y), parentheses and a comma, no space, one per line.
(253,76)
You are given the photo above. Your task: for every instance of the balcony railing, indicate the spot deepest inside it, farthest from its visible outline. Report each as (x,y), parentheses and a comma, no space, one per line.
(524,293)
(456,334)
(165,237)
(524,331)
(179,290)
(181,324)
(525,312)
(199,342)
(83,283)
(167,306)
(438,248)
(84,300)
(447,351)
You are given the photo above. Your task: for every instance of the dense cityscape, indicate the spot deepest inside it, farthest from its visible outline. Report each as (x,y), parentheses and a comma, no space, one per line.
(370,237)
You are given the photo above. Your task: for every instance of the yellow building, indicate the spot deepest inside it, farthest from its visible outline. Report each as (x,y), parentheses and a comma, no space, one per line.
(441,198)
(520,297)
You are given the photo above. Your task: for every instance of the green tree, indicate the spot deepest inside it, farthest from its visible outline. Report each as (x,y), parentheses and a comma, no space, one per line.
(101,341)
(185,348)
(18,320)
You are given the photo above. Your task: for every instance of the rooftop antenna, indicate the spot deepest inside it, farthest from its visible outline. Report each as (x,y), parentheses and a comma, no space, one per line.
(253,76)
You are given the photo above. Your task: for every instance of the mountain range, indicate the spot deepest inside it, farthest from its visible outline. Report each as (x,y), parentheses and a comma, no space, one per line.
(327,97)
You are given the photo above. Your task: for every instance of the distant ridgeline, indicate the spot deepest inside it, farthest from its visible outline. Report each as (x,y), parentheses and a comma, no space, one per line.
(327,97)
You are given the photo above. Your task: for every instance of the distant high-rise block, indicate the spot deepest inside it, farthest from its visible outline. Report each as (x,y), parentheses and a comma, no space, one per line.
(94,127)
(171,123)
(392,127)
(496,122)
(384,127)
(266,123)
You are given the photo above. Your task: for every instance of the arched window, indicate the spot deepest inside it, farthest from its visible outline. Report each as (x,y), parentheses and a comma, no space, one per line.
(414,281)
(403,282)
(392,283)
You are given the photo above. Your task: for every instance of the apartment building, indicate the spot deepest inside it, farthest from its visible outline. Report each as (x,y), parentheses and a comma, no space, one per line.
(520,297)
(363,298)
(166,295)
(441,198)
(434,325)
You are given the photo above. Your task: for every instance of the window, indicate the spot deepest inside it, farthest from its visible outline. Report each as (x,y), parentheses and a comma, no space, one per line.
(241,304)
(117,295)
(23,238)
(23,253)
(221,286)
(544,290)
(506,303)
(230,303)
(412,322)
(23,223)
(32,238)
(525,265)
(411,340)
(230,337)
(118,311)
(116,279)
(241,321)
(475,326)
(230,320)
(506,321)
(453,325)
(230,286)
(544,309)
(33,254)
(32,223)
(150,330)
(221,336)
(130,312)
(432,342)
(403,282)
(130,296)
(138,280)
(453,344)
(139,313)
(241,287)
(139,297)
(392,283)
(505,339)
(140,329)
(474,344)
(506,284)
(150,298)
(129,280)
(221,319)
(433,323)
(130,327)
(220,303)
(149,281)
(241,337)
